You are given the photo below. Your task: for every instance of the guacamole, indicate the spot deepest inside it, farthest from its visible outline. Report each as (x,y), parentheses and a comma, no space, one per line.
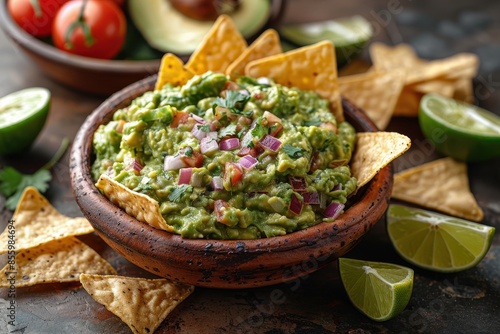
(229,159)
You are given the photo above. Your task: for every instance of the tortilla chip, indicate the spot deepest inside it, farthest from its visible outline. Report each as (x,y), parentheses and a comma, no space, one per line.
(442,185)
(36,221)
(61,260)
(312,67)
(387,58)
(267,44)
(172,71)
(374,151)
(141,303)
(220,47)
(140,206)
(375,92)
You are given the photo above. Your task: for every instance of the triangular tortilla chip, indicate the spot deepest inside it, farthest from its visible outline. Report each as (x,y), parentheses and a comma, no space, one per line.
(442,185)
(375,92)
(141,303)
(312,67)
(220,47)
(61,260)
(172,71)
(140,206)
(374,151)
(267,44)
(36,221)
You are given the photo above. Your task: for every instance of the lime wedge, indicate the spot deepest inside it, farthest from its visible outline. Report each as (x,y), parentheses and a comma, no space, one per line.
(458,129)
(435,241)
(379,290)
(22,116)
(349,35)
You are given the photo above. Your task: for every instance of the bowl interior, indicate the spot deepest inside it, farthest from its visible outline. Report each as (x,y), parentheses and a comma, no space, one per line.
(221,263)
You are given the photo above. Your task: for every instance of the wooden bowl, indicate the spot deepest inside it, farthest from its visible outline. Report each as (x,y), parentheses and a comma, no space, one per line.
(221,263)
(89,75)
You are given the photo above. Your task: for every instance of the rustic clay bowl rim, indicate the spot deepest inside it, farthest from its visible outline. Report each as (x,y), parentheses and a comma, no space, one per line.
(369,206)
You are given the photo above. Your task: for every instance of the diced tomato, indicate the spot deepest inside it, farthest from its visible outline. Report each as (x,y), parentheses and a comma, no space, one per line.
(219,208)
(191,158)
(254,151)
(233,173)
(180,117)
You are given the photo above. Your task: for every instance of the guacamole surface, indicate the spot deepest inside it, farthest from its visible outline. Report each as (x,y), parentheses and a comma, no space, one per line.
(228,159)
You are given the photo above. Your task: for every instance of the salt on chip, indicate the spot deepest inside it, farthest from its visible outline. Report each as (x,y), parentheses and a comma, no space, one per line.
(61,260)
(140,206)
(442,185)
(172,71)
(374,151)
(36,221)
(218,49)
(312,67)
(141,303)
(267,44)
(375,92)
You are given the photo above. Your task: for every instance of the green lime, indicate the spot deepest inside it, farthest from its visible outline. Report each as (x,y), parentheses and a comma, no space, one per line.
(435,241)
(458,129)
(349,35)
(379,290)
(22,117)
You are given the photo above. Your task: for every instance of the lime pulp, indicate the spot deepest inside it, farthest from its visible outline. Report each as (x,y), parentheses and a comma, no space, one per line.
(435,241)
(458,129)
(379,290)
(22,117)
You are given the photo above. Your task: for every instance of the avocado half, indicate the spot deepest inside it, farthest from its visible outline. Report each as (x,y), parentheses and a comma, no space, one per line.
(167,30)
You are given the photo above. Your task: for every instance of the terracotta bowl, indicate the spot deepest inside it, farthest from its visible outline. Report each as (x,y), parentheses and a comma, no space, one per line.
(94,76)
(219,263)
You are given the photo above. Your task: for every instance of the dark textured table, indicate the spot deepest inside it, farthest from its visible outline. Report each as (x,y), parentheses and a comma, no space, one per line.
(466,302)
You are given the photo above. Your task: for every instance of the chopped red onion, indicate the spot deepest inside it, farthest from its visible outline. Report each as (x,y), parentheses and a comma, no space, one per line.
(185,176)
(333,210)
(229,144)
(197,118)
(248,161)
(244,92)
(263,81)
(135,165)
(298,183)
(311,198)
(217,183)
(338,187)
(173,162)
(295,205)
(212,134)
(208,145)
(198,132)
(270,143)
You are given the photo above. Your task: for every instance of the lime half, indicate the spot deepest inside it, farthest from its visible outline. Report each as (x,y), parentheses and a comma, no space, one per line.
(379,290)
(22,117)
(458,129)
(349,35)
(435,241)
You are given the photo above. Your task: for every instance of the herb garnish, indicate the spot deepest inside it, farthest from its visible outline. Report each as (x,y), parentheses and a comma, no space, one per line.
(13,182)
(293,152)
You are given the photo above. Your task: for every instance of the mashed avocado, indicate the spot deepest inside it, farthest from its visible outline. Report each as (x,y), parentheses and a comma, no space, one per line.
(230,160)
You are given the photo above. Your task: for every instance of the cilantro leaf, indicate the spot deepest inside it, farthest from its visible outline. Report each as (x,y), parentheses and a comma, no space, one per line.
(178,192)
(13,182)
(313,122)
(293,152)
(259,130)
(229,130)
(233,98)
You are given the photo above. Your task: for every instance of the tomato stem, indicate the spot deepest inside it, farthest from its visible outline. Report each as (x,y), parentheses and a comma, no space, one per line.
(80,22)
(37,8)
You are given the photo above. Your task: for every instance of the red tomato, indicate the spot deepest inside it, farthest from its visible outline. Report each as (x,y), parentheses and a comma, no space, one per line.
(103,21)
(35,16)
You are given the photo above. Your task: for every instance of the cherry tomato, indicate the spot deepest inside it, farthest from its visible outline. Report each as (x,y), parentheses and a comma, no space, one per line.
(98,33)
(35,16)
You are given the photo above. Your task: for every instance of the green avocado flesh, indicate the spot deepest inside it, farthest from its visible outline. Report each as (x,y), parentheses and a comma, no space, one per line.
(288,161)
(168,30)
